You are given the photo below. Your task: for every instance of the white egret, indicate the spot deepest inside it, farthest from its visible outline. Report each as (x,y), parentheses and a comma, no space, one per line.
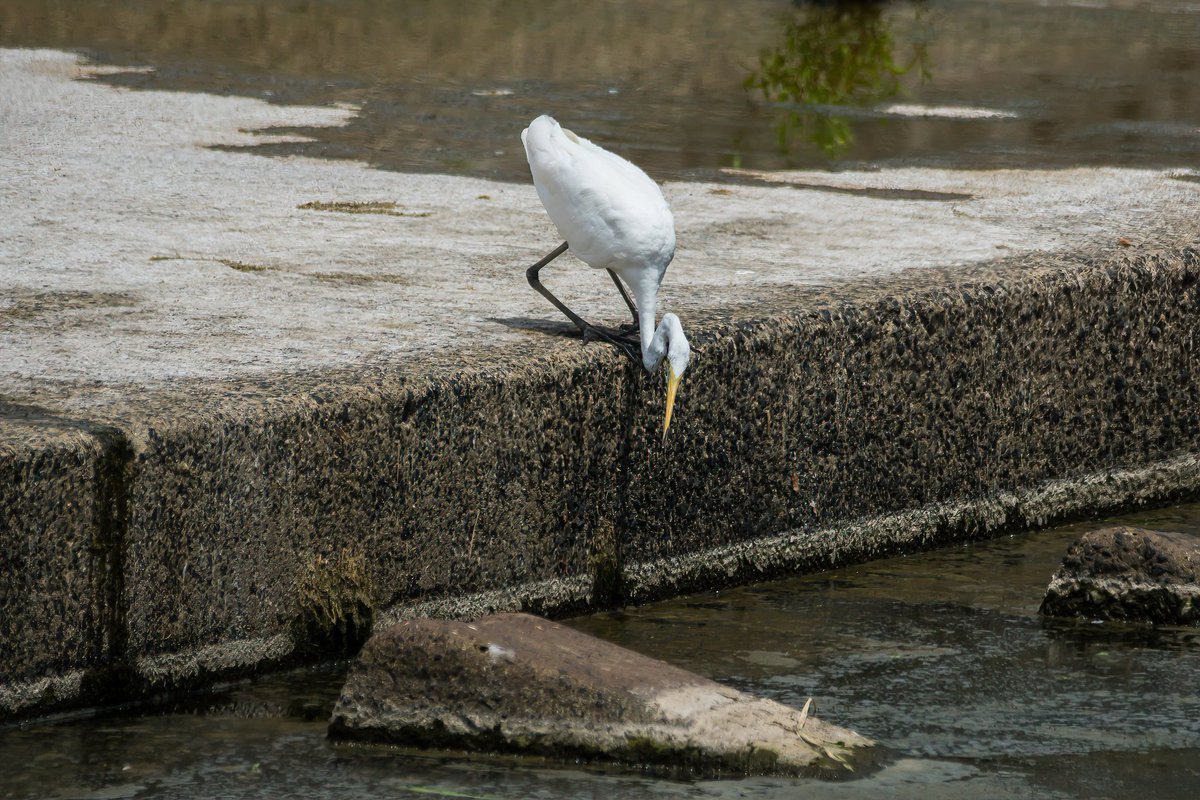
(613,217)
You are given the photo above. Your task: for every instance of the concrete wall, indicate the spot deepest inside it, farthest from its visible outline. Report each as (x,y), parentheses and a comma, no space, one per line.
(178,540)
(60,560)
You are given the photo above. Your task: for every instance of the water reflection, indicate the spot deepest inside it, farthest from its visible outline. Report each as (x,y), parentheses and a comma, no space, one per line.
(834,53)
(445,87)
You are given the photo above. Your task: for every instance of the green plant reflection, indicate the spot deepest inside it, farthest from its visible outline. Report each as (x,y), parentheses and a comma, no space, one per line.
(833,54)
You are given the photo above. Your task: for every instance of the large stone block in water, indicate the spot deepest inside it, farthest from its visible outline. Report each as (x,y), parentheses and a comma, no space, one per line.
(518,683)
(1129,574)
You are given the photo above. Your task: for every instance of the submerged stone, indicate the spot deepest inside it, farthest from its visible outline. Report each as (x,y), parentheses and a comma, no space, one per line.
(1128,574)
(519,683)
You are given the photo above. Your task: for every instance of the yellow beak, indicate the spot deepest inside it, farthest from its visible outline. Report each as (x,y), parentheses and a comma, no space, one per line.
(673,381)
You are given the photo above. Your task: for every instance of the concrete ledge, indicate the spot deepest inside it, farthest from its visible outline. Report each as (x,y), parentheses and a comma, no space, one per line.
(921,528)
(59,543)
(173,539)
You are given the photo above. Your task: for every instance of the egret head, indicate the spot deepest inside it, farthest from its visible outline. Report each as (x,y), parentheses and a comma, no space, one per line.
(679,353)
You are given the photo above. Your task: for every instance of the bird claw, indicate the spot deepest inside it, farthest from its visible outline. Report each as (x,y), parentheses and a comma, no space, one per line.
(623,343)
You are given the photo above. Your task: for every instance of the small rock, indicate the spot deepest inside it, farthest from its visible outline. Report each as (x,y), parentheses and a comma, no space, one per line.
(519,683)
(1128,574)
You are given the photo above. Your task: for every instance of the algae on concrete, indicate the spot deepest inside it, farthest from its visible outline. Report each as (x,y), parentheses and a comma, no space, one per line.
(386,207)
(334,605)
(887,360)
(604,564)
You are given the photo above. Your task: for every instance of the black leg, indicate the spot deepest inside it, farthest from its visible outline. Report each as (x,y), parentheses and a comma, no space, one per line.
(588,330)
(532,275)
(625,296)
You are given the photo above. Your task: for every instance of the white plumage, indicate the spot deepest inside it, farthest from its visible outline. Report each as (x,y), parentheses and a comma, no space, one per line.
(612,216)
(611,213)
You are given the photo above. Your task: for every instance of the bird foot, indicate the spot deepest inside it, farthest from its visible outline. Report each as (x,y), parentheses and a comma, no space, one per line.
(623,343)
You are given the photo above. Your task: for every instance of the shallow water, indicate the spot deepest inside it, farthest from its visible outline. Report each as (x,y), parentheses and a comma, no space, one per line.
(940,656)
(446,87)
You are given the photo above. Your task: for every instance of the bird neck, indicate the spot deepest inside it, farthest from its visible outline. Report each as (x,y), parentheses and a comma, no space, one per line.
(656,340)
(651,354)
(654,345)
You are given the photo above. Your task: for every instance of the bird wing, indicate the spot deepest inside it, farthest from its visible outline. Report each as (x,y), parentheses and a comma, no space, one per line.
(610,212)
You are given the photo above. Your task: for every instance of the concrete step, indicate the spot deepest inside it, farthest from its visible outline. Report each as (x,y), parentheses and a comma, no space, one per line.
(226,415)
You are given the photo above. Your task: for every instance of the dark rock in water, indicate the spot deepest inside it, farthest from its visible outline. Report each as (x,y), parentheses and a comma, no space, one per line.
(518,683)
(1129,574)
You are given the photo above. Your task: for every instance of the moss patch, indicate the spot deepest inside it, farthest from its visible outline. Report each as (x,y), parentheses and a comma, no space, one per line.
(761,761)
(242,266)
(604,564)
(334,610)
(385,207)
(358,279)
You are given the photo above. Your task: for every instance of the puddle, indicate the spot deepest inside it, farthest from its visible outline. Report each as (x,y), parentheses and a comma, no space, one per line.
(683,88)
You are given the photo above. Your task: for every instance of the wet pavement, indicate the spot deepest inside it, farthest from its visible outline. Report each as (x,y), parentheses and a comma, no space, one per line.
(684,88)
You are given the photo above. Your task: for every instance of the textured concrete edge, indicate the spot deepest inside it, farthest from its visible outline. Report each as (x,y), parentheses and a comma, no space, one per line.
(187,670)
(760,559)
(551,598)
(838,545)
(917,529)
(62,493)
(814,545)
